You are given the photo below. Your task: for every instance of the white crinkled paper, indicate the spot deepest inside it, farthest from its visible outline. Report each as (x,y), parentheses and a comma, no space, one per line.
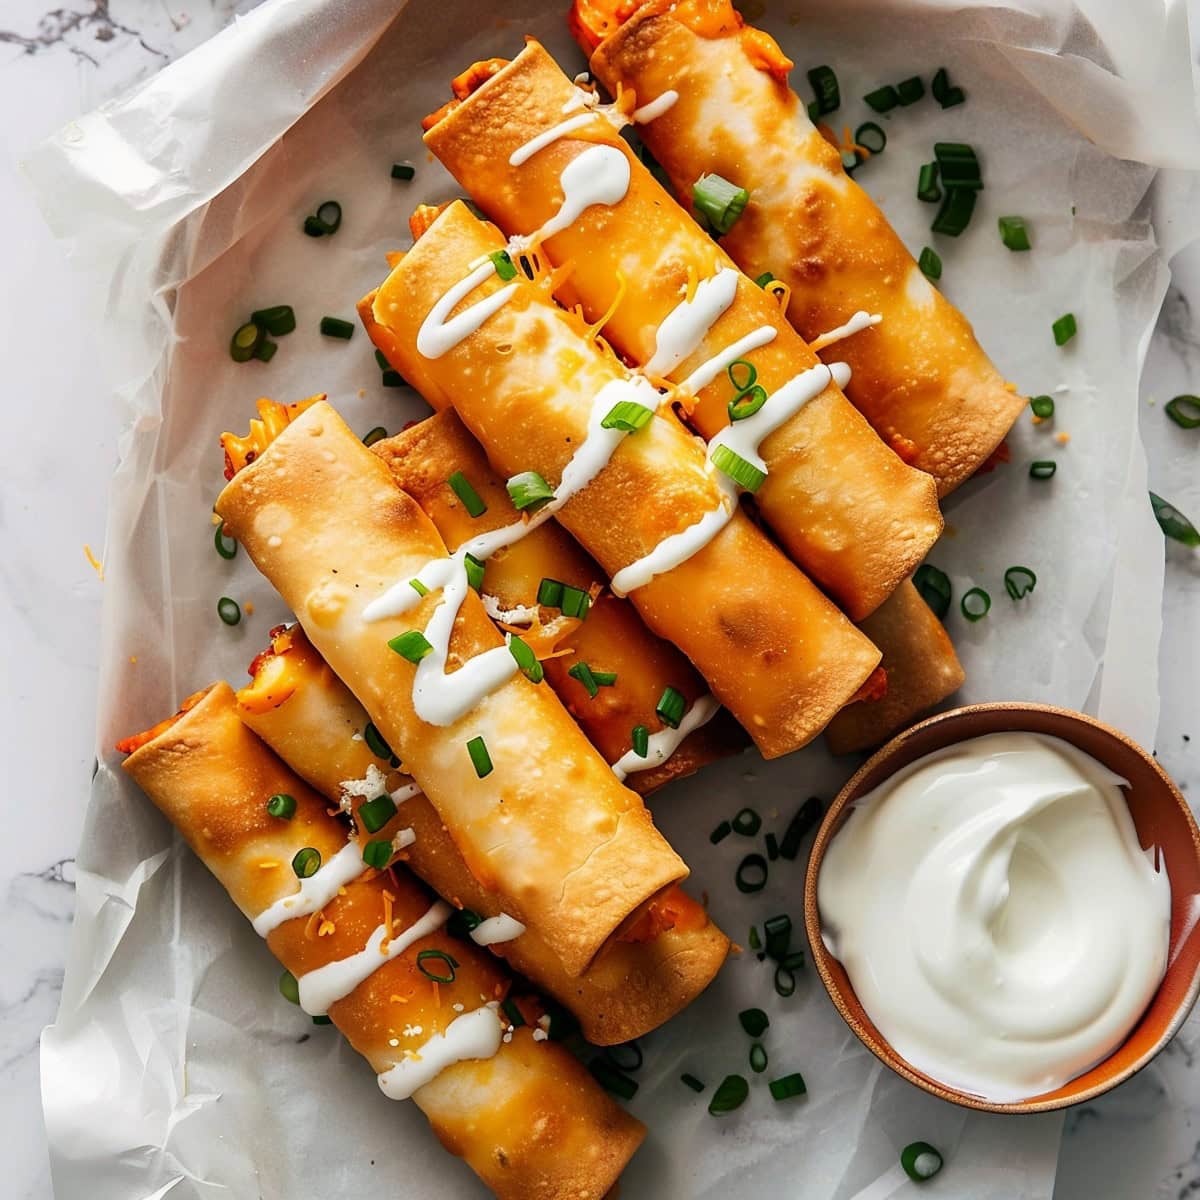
(174,1066)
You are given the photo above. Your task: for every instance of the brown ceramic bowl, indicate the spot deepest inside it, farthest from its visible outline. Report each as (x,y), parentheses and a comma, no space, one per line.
(1162,818)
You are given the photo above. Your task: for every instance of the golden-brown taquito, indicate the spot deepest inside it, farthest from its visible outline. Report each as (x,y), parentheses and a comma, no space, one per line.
(849,512)
(568,850)
(529,1120)
(920,377)
(772,648)
(300,708)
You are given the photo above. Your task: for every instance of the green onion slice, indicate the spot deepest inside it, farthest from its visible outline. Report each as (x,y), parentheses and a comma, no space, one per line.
(934,586)
(799,827)
(321,1019)
(481,760)
(418,587)
(462,921)
(611,1079)
(758,1058)
(731,1093)
(376,813)
(226,546)
(1184,411)
(910,90)
(374,435)
(871,137)
(306,862)
(975,604)
(460,485)
(1013,233)
(670,707)
(772,847)
(625,1056)
(1064,329)
(1019,581)
(529,490)
(958,165)
(754,1021)
(1044,468)
(314,228)
(930,263)
(525,658)
(377,853)
(927,183)
(882,99)
(719,202)
(376,743)
(245,341)
(627,415)
(747,371)
(266,350)
(329,213)
(381,359)
(445,974)
(511,1010)
(825,86)
(787,1086)
(730,463)
(943,93)
(575,602)
(692,1082)
(289,987)
(550,593)
(1173,523)
(475,569)
(920,1161)
(641,741)
(747,822)
(403,170)
(747,403)
(751,874)
(229,610)
(583,673)
(503,264)
(335,327)
(282,805)
(955,214)
(413,645)
(779,936)
(755,940)
(278,320)
(785,981)
(721,832)
(1043,406)
(392,379)
(765,278)
(793,960)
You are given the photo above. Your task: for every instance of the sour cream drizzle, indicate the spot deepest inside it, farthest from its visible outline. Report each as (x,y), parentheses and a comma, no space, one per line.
(322,988)
(685,326)
(600,175)
(314,892)
(474,1035)
(656,107)
(523,153)
(497,929)
(666,741)
(440,333)
(857,323)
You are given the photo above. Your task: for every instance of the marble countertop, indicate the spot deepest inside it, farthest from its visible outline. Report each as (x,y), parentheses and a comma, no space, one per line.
(1141,1141)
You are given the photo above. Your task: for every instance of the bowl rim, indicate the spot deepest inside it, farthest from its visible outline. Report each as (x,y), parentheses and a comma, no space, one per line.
(822,957)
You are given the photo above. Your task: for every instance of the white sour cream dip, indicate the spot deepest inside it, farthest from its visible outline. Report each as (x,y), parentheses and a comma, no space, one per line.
(995,914)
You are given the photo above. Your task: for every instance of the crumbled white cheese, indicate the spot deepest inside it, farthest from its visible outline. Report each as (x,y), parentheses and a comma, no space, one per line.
(540,1035)
(523,614)
(372,784)
(404,837)
(412,1031)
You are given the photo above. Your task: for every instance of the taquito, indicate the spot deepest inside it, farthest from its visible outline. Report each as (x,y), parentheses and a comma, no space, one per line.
(919,376)
(612,646)
(848,511)
(370,949)
(537,813)
(300,708)
(536,388)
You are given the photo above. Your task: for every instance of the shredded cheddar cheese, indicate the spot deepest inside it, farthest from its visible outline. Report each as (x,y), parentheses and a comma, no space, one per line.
(595,327)
(273,418)
(93,562)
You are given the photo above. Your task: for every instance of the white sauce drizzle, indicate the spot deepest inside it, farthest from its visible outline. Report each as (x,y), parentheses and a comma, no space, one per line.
(655,108)
(857,323)
(322,988)
(600,175)
(316,891)
(494,930)
(665,742)
(474,1035)
(524,153)
(440,333)
(523,614)
(685,326)
(404,792)
(403,839)
(706,372)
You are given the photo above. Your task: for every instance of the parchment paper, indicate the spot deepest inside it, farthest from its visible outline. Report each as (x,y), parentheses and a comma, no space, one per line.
(174,1066)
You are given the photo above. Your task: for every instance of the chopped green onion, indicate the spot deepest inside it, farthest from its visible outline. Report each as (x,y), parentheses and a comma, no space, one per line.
(793,960)
(755,941)
(377,853)
(381,359)
(475,570)
(882,99)
(314,228)
(785,981)
(943,93)
(1019,582)
(403,170)
(437,956)
(718,202)
(550,593)
(226,546)
(462,921)
(278,320)
(670,707)
(374,435)
(628,416)
(393,379)
(612,1080)
(825,86)
(289,987)
(721,832)
(910,90)
(1184,411)
(731,1093)
(329,213)
(335,327)
(641,741)
(746,404)
(779,936)
(747,822)
(851,161)
(754,1021)
(503,264)
(376,743)
(787,1086)
(692,1082)
(748,372)
(282,805)
(1042,469)
(481,760)
(575,602)
(920,1161)
(1013,233)
(512,1012)
(975,604)
(751,875)
(229,610)
(958,165)
(871,137)
(375,814)
(529,490)
(266,350)
(525,658)
(245,341)
(625,1056)
(934,586)
(955,214)
(799,827)
(1173,523)
(765,278)
(418,587)
(460,485)
(1064,329)
(1043,406)
(322,1019)
(413,645)
(306,862)
(927,183)
(758,1058)
(772,847)
(930,263)
(731,463)
(583,673)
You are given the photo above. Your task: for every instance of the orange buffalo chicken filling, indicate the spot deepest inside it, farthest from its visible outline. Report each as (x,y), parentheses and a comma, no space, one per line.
(137,740)
(273,418)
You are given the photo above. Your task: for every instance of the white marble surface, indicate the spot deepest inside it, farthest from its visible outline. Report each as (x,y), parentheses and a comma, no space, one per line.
(1142,1141)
